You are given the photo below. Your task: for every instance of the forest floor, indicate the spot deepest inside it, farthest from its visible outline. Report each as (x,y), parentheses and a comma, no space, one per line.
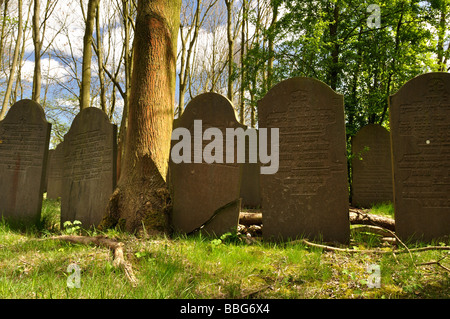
(36,264)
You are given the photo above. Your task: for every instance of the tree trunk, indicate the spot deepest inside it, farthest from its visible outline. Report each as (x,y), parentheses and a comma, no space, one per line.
(229,4)
(141,198)
(334,67)
(36,94)
(85,90)
(271,44)
(243,52)
(128,62)
(14,64)
(101,74)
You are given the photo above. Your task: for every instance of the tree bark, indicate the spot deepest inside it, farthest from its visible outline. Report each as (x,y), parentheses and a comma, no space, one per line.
(141,198)
(101,74)
(14,64)
(361,218)
(229,4)
(85,90)
(36,93)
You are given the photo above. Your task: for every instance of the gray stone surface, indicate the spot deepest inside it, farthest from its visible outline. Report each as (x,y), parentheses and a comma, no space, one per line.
(308,196)
(199,190)
(371,166)
(89,174)
(420,137)
(24,140)
(55,170)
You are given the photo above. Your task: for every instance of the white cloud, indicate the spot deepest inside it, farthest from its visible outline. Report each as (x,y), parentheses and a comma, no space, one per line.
(50,70)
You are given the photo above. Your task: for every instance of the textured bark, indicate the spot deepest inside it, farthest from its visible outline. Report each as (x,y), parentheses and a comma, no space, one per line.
(12,72)
(85,90)
(36,94)
(142,197)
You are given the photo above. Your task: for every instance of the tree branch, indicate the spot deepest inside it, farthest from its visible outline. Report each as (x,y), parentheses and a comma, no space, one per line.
(102,241)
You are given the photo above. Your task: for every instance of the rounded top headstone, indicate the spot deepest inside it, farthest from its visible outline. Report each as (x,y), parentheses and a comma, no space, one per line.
(213,108)
(26,109)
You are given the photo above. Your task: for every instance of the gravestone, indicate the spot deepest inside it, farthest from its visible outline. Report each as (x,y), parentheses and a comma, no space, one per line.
(371,166)
(420,137)
(55,170)
(250,187)
(89,173)
(24,140)
(201,190)
(308,195)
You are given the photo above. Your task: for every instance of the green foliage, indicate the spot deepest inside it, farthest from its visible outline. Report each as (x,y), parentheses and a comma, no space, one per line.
(72,228)
(332,41)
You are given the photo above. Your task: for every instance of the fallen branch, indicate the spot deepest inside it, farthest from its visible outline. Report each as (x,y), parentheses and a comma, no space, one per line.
(373,229)
(437,262)
(249,218)
(359,217)
(102,241)
(369,251)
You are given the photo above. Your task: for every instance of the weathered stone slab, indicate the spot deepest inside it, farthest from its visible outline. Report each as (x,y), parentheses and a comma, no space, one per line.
(55,169)
(201,189)
(420,137)
(250,185)
(371,166)
(89,174)
(308,196)
(24,140)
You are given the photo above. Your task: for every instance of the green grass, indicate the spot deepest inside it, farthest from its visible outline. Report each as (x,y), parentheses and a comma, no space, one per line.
(200,267)
(384,209)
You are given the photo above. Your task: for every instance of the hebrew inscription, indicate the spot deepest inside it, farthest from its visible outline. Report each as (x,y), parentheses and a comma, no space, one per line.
(420,134)
(89,173)
(308,195)
(24,139)
(371,166)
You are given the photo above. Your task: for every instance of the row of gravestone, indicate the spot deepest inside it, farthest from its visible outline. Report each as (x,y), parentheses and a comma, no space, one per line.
(81,169)
(308,194)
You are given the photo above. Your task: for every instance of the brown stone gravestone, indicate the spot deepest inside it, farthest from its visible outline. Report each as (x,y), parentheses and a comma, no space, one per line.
(202,190)
(371,166)
(89,174)
(250,187)
(308,195)
(420,138)
(55,169)
(24,140)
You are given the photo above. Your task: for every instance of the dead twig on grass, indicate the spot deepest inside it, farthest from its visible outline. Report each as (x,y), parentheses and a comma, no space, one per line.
(369,251)
(115,246)
(437,262)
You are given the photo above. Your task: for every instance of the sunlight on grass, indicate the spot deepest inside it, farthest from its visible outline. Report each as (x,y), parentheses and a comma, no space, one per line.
(202,267)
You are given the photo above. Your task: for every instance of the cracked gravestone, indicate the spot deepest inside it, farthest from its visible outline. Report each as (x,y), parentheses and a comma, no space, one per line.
(205,192)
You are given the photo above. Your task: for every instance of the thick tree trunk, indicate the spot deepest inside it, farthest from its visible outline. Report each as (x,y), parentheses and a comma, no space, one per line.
(141,198)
